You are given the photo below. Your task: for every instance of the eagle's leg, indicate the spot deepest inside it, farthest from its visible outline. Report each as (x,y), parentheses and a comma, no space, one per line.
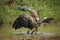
(36,30)
(33,31)
(28,31)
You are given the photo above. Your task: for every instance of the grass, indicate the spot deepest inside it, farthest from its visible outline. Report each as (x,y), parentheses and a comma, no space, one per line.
(48,8)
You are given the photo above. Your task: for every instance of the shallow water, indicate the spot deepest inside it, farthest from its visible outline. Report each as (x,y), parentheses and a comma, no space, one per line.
(39,33)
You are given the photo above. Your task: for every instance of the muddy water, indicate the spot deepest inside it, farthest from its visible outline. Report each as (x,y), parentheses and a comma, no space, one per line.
(27,37)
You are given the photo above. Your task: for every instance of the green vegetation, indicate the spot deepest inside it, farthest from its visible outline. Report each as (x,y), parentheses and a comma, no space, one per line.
(9,12)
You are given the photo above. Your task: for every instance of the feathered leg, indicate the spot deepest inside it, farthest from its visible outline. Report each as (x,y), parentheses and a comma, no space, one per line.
(36,29)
